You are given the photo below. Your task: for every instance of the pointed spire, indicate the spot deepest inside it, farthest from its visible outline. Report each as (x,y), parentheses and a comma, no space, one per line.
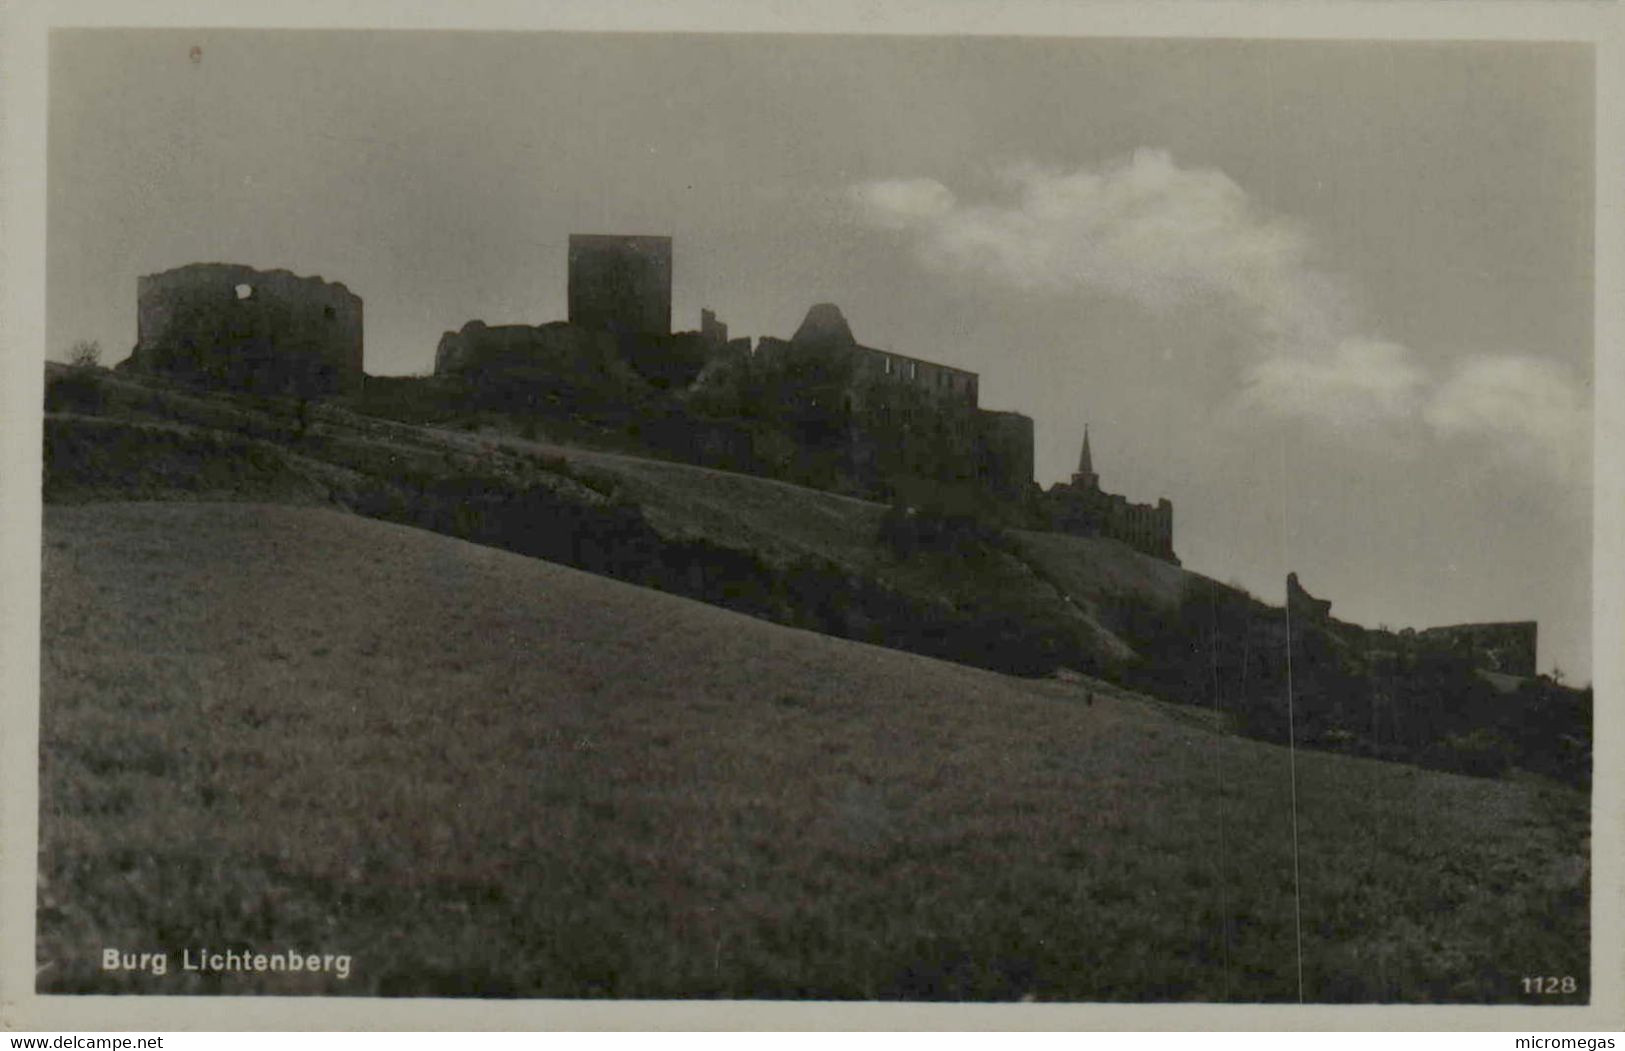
(1086,478)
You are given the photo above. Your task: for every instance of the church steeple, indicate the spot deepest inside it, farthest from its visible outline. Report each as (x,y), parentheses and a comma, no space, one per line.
(1086,478)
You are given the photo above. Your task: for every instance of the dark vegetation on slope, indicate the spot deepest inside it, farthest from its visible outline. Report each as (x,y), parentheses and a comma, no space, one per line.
(981,606)
(937,579)
(1430,708)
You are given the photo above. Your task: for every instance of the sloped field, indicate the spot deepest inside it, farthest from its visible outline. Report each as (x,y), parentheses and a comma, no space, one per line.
(783,552)
(481,774)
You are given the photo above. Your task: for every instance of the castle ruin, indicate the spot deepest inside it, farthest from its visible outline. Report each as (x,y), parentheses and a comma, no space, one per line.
(264,331)
(1082,508)
(1507,648)
(514,353)
(896,426)
(1304,606)
(887,418)
(897,418)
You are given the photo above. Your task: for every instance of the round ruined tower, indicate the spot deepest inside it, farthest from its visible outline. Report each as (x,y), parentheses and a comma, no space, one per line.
(266,331)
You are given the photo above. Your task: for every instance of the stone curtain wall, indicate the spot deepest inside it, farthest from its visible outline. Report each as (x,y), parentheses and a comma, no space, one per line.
(1086,511)
(941,383)
(1508,648)
(265,331)
(878,375)
(560,350)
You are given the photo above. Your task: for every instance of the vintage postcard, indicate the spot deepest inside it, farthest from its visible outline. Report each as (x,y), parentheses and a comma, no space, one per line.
(1109,521)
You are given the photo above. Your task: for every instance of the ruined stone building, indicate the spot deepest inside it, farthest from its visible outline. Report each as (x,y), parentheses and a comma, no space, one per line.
(1304,606)
(558,351)
(600,362)
(619,308)
(902,416)
(713,332)
(1081,507)
(1507,648)
(881,416)
(878,376)
(264,331)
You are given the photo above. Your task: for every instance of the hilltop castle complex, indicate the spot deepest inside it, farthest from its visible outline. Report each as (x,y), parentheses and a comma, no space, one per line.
(819,408)
(896,425)
(872,421)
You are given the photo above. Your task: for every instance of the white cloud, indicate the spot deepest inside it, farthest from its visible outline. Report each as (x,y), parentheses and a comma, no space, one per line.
(1141,227)
(897,203)
(1359,384)
(1169,238)
(1534,409)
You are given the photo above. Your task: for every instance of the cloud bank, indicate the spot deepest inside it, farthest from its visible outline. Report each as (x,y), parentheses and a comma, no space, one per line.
(1169,238)
(1533,406)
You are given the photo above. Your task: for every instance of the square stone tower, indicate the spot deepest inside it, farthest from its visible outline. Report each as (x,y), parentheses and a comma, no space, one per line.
(621,283)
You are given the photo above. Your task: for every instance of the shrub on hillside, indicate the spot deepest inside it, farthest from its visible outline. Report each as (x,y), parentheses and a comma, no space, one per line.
(85,354)
(1481,753)
(78,390)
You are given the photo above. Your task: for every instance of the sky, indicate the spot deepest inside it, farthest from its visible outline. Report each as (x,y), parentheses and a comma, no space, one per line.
(1332,299)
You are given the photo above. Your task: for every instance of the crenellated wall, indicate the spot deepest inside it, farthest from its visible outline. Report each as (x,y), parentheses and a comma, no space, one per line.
(482,352)
(1084,509)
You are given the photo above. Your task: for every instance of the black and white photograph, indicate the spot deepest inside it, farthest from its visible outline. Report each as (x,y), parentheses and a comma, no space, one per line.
(898,517)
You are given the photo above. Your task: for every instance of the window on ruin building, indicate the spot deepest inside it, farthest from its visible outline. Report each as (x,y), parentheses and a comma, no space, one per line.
(329,313)
(244,291)
(913,370)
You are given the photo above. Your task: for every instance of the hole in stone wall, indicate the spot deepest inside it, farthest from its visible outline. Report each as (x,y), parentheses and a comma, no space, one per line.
(245,291)
(329,313)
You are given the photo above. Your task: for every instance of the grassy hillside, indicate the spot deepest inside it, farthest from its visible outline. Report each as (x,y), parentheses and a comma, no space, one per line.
(938,583)
(594,789)
(791,554)
(956,585)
